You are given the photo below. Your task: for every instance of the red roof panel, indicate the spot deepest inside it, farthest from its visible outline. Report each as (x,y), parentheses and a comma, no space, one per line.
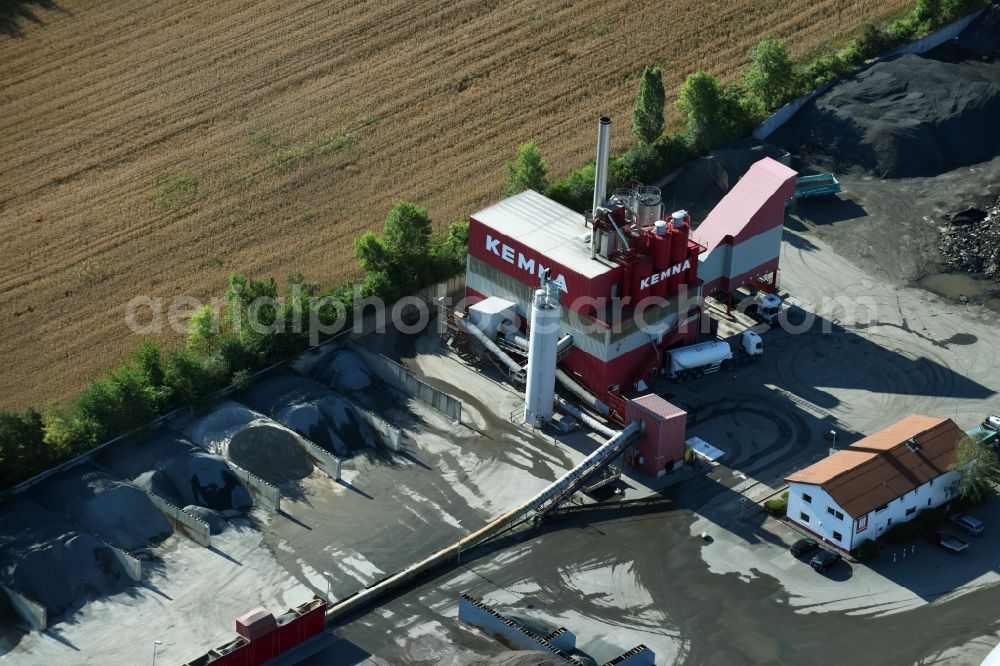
(754,205)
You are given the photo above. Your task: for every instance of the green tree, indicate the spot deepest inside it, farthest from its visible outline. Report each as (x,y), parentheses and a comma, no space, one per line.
(23,452)
(771,76)
(400,260)
(203,331)
(927,12)
(528,172)
(975,462)
(647,115)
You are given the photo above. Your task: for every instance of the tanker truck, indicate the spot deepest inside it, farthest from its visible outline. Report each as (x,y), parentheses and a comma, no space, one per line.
(705,357)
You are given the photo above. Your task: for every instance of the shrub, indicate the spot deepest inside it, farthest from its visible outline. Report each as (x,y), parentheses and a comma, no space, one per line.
(868,550)
(528,172)
(576,190)
(778,506)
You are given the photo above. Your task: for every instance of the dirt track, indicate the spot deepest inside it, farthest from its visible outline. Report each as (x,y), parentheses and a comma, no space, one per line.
(287,129)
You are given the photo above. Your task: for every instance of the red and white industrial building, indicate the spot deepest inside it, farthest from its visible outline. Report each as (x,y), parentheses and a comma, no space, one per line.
(631,277)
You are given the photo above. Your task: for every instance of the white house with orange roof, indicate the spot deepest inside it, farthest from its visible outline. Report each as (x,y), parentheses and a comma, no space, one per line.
(885,479)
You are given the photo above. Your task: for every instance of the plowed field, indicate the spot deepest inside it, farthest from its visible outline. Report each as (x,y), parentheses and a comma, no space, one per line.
(151,148)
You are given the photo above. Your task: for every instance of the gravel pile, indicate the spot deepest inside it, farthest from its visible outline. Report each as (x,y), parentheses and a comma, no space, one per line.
(117,512)
(251,440)
(46,558)
(180,472)
(904,117)
(344,370)
(971,242)
(521,658)
(314,412)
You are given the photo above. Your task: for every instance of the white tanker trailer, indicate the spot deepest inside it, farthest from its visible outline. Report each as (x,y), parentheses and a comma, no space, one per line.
(705,357)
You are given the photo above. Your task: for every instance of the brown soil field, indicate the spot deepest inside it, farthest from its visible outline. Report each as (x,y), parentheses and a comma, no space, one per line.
(153,148)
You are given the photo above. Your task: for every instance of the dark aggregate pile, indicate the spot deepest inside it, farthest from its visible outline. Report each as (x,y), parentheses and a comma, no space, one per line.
(45,557)
(180,472)
(111,509)
(904,117)
(971,242)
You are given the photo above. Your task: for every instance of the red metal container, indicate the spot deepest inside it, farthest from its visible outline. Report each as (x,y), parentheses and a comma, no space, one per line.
(678,254)
(660,251)
(640,272)
(663,439)
(255,624)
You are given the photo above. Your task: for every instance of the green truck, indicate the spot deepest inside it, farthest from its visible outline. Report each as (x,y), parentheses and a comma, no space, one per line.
(819,185)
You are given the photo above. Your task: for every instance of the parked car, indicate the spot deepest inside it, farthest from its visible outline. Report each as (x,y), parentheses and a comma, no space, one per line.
(803,547)
(970,524)
(824,559)
(947,540)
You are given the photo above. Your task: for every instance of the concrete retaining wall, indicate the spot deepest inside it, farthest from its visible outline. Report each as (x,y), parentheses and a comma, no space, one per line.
(30,611)
(401,378)
(481,615)
(132,566)
(637,656)
(190,526)
(391,435)
(562,638)
(933,40)
(264,493)
(326,461)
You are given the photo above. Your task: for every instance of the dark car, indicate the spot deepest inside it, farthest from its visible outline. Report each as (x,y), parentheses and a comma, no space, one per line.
(803,547)
(824,559)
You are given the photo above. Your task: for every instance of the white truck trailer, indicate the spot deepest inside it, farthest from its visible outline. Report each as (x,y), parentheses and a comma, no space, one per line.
(706,357)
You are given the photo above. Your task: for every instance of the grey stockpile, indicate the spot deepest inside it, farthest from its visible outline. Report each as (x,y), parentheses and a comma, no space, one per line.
(45,557)
(251,440)
(971,243)
(314,411)
(180,472)
(909,116)
(116,511)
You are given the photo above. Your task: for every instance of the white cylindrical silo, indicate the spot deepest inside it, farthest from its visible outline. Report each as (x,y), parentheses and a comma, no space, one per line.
(543,342)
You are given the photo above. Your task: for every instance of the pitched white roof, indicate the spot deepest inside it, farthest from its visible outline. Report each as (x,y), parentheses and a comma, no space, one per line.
(549,228)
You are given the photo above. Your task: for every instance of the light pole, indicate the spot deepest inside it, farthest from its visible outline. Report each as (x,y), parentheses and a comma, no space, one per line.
(833,436)
(156,644)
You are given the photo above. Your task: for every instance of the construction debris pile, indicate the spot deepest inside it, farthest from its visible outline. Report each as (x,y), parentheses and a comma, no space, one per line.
(904,117)
(971,242)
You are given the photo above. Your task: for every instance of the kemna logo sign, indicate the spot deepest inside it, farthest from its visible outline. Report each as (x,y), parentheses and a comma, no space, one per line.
(663,275)
(516,258)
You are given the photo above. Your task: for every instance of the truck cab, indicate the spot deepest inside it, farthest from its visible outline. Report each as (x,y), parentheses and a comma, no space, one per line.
(751,344)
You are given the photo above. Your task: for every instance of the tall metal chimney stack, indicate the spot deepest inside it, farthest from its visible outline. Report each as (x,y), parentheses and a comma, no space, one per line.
(601,172)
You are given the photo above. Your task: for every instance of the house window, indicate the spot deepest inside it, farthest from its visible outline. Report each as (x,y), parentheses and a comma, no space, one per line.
(804,517)
(928,501)
(807,498)
(833,512)
(931,482)
(911,510)
(837,536)
(863,523)
(840,516)
(881,508)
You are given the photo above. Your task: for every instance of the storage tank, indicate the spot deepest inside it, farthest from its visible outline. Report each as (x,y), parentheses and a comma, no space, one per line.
(642,270)
(700,357)
(680,228)
(543,342)
(648,206)
(660,243)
